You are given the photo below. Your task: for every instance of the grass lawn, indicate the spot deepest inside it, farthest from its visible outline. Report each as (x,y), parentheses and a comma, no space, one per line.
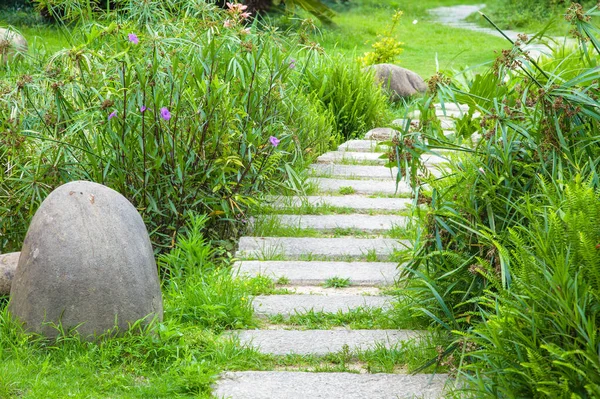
(357,26)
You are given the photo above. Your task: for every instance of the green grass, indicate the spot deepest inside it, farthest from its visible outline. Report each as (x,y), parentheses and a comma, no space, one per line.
(41,37)
(325,209)
(529,22)
(359,22)
(337,282)
(271,226)
(347,190)
(399,317)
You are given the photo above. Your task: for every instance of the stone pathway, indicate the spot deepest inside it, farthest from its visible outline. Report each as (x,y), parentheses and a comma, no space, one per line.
(455,16)
(304,264)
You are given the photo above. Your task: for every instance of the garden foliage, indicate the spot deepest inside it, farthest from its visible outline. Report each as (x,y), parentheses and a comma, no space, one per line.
(176,115)
(507,255)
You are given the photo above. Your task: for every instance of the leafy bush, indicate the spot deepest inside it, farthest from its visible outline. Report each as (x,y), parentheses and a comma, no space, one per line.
(546,323)
(349,93)
(387,48)
(176,118)
(506,255)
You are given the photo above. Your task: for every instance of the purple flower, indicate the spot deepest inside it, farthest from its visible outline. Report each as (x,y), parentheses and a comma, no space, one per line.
(133,38)
(165,114)
(274,141)
(143,109)
(112,115)
(292,63)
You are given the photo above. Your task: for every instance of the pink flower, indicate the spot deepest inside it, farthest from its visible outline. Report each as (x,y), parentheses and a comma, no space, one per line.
(165,114)
(112,115)
(246,14)
(245,31)
(274,141)
(236,7)
(133,38)
(227,23)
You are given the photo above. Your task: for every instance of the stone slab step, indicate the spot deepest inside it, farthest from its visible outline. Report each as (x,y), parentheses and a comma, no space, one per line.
(386,133)
(372,157)
(294,247)
(315,273)
(287,305)
(359,203)
(351,156)
(302,385)
(362,146)
(386,187)
(322,342)
(356,171)
(365,223)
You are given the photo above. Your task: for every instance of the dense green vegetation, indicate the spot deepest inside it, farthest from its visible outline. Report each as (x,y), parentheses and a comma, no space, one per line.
(189,114)
(191,110)
(530,16)
(507,256)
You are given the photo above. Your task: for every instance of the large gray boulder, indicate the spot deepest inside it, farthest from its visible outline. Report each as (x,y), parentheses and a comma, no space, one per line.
(8,265)
(11,43)
(86,260)
(401,82)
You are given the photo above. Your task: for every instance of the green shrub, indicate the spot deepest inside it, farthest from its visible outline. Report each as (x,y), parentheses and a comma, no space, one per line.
(179,118)
(349,93)
(506,252)
(541,333)
(387,48)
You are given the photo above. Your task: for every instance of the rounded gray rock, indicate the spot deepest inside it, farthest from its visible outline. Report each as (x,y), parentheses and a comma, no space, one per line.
(401,82)
(11,43)
(8,265)
(86,261)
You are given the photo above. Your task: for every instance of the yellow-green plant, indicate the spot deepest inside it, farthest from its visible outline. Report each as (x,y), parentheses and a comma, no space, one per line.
(387,48)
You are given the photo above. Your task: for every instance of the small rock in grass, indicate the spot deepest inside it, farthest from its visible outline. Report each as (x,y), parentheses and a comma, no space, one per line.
(11,44)
(8,265)
(86,263)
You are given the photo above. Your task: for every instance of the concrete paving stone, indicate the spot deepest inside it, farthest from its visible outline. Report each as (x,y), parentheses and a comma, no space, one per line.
(288,305)
(294,247)
(326,185)
(303,385)
(361,146)
(315,273)
(320,290)
(340,156)
(356,202)
(358,171)
(447,123)
(381,133)
(366,223)
(450,106)
(322,342)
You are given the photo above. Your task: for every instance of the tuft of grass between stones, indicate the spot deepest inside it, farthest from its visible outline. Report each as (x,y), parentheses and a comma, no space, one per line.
(337,282)
(271,226)
(325,209)
(403,357)
(398,317)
